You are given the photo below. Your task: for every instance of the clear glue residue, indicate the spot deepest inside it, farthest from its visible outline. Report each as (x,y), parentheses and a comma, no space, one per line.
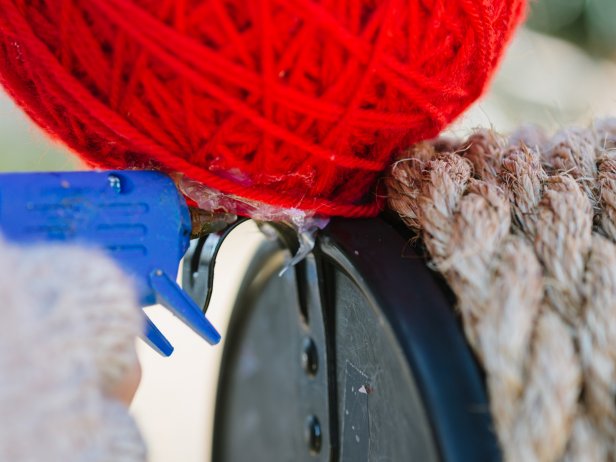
(306,224)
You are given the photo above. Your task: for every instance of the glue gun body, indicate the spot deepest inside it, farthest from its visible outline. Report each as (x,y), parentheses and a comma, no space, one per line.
(137,217)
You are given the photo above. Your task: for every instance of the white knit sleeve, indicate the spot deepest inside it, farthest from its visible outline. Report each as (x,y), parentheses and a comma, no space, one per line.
(68,321)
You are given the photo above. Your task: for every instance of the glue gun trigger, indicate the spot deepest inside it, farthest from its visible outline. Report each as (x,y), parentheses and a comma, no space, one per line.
(155,339)
(171,296)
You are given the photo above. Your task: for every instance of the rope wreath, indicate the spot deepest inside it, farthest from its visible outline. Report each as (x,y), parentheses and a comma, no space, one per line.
(524,231)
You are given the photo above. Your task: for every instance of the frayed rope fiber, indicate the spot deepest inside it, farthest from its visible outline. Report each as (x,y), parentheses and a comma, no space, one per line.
(524,231)
(293,103)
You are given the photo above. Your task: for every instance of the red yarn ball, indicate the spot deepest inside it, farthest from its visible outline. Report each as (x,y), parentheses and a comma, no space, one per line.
(295,103)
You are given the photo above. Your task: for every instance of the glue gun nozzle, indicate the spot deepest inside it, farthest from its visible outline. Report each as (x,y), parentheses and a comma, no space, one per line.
(204,222)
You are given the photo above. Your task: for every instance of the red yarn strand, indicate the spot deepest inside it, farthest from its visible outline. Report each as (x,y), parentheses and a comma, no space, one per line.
(238,106)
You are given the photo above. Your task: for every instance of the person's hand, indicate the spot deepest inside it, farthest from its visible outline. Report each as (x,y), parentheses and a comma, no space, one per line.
(124,391)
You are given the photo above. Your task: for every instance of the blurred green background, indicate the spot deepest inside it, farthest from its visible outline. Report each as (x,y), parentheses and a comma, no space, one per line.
(24,147)
(589,23)
(561,69)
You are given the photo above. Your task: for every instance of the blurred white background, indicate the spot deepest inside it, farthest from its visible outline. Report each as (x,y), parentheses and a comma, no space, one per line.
(568,76)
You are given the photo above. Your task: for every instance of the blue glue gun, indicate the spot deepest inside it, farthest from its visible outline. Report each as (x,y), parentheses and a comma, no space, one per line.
(139,218)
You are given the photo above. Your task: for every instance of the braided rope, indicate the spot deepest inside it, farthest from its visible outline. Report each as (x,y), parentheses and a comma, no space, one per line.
(524,231)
